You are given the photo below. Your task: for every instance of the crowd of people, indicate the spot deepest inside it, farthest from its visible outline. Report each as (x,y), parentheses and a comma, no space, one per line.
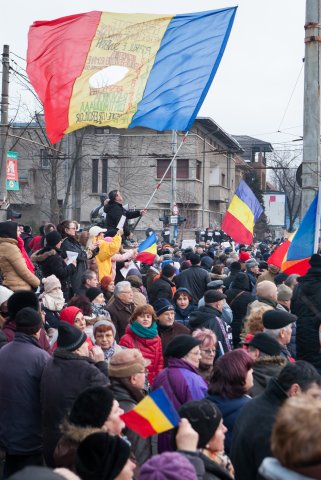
(87,332)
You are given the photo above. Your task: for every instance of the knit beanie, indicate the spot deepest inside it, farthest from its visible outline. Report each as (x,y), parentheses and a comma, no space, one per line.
(105,323)
(69,337)
(162,305)
(168,466)
(5,294)
(28,321)
(22,299)
(53,238)
(50,283)
(101,456)
(180,346)
(126,363)
(204,417)
(92,407)
(68,314)
(244,256)
(93,293)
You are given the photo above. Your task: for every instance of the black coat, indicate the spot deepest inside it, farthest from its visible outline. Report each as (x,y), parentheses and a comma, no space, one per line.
(114,212)
(66,375)
(72,245)
(206,317)
(160,288)
(252,432)
(195,279)
(52,263)
(306,293)
(238,297)
(21,365)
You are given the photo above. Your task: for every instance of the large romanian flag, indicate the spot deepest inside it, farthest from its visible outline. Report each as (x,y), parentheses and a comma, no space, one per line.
(242,214)
(147,250)
(125,70)
(154,414)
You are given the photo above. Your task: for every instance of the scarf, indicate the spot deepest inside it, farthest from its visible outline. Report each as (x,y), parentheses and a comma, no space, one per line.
(144,332)
(54,301)
(29,263)
(110,351)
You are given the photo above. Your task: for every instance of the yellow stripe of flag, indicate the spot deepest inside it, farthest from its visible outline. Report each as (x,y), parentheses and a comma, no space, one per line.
(148,409)
(242,212)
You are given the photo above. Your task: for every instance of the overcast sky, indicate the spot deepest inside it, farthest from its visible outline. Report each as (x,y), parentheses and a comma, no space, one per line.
(258,88)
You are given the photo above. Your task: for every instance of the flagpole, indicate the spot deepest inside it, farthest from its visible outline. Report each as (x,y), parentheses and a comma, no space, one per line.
(317,222)
(161,180)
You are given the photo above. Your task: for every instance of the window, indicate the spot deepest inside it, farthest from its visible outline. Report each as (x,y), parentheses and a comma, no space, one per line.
(102,131)
(223,179)
(104,176)
(198,170)
(94,178)
(182,170)
(45,158)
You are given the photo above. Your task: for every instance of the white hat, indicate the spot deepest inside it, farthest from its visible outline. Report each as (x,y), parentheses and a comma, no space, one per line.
(95,231)
(5,294)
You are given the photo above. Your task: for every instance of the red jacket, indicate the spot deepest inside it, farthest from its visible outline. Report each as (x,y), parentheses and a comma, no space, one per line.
(151,349)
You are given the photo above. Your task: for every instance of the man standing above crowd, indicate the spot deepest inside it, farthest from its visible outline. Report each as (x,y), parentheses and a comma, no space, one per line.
(114,211)
(195,278)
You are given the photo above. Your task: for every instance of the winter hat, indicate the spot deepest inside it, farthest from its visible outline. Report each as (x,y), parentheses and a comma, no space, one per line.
(69,337)
(28,321)
(22,299)
(95,231)
(135,281)
(167,466)
(53,238)
(251,263)
(5,294)
(101,456)
(284,293)
(275,319)
(105,323)
(212,296)
(180,346)
(167,262)
(235,267)
(273,269)
(182,290)
(280,278)
(8,230)
(105,281)
(315,260)
(68,314)
(162,305)
(50,283)
(244,256)
(204,417)
(214,284)
(92,407)
(126,363)
(93,293)
(266,344)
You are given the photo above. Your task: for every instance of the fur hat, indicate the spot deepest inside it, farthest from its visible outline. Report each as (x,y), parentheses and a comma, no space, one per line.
(180,346)
(251,263)
(168,466)
(50,283)
(101,456)
(70,338)
(53,238)
(275,319)
(162,305)
(93,293)
(126,363)
(92,407)
(204,417)
(5,294)
(22,299)
(28,321)
(68,314)
(266,344)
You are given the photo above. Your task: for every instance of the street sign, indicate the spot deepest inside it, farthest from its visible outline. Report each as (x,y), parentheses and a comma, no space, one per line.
(173,219)
(12,182)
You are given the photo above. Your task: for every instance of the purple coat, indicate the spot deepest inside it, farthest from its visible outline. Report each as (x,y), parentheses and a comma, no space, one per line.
(182,384)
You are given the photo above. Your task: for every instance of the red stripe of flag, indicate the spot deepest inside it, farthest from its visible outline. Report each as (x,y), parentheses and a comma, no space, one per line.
(138,424)
(235,229)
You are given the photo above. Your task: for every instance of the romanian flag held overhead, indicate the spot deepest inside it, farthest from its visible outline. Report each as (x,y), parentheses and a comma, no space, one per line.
(154,414)
(242,214)
(147,250)
(125,70)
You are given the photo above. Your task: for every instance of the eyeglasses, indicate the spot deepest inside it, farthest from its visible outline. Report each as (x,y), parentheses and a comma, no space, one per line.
(209,351)
(196,354)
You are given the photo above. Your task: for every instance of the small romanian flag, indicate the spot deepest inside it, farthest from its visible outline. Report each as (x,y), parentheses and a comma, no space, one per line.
(147,250)
(242,214)
(154,414)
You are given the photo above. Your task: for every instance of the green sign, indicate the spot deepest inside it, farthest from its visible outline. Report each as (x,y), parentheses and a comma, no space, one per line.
(12,180)
(12,155)
(12,185)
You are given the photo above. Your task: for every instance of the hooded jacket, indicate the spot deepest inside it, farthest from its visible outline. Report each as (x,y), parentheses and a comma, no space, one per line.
(264,369)
(239,296)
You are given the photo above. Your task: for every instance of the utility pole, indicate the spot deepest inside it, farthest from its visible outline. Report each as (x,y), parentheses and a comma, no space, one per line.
(311,116)
(4,127)
(174,183)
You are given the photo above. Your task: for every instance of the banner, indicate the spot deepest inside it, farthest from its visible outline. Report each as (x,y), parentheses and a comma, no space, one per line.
(12,181)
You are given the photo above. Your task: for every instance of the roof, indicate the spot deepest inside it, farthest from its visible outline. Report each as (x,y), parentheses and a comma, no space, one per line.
(251,144)
(218,132)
